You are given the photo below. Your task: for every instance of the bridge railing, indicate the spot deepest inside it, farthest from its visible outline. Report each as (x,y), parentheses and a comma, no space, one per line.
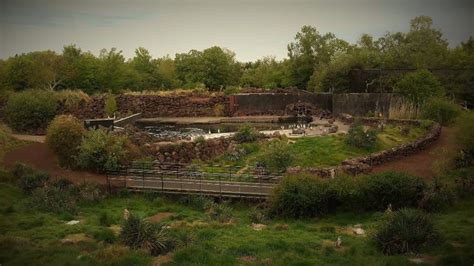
(223,181)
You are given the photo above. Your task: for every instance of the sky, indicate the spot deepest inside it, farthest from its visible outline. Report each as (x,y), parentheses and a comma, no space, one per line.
(251,28)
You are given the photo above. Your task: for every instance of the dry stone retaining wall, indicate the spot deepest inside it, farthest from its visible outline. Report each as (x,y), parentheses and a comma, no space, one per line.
(364,164)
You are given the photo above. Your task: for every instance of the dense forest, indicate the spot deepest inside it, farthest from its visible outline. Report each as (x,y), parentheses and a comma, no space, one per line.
(315,62)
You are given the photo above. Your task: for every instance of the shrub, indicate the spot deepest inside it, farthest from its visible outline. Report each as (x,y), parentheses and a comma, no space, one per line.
(300,196)
(88,192)
(464,180)
(110,105)
(219,110)
(140,234)
(71,98)
(220,212)
(105,219)
(104,234)
(62,183)
(100,151)
(52,199)
(64,135)
(257,216)
(395,188)
(419,86)
(407,230)
(31,110)
(438,196)
(246,134)
(28,178)
(360,138)
(464,135)
(277,156)
(440,110)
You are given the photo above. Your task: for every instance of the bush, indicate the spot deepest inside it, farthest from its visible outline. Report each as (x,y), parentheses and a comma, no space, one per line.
(28,178)
(72,98)
(407,230)
(31,110)
(301,196)
(100,151)
(220,212)
(219,110)
(105,219)
(104,234)
(464,135)
(257,216)
(52,199)
(464,180)
(246,134)
(419,86)
(440,110)
(88,192)
(438,196)
(63,136)
(277,156)
(140,234)
(110,105)
(360,138)
(395,188)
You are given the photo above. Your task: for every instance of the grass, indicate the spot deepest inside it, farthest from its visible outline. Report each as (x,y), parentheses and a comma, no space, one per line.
(7,142)
(323,151)
(27,235)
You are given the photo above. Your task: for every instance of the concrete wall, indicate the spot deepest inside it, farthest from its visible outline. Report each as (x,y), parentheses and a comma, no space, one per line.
(275,103)
(358,104)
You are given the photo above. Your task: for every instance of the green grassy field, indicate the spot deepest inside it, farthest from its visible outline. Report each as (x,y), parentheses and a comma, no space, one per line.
(28,236)
(323,151)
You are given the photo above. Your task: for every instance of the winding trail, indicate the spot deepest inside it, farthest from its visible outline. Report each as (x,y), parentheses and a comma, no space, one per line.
(38,155)
(424,163)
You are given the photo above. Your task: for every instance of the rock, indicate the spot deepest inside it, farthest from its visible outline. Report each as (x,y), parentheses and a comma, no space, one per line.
(333,129)
(72,222)
(358,231)
(258,227)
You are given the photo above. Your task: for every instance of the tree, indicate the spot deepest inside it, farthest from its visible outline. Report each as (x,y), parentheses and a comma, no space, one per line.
(419,86)
(145,69)
(311,50)
(112,70)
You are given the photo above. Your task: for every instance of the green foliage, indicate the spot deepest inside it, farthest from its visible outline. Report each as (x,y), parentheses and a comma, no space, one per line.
(396,188)
(440,110)
(88,192)
(246,134)
(63,136)
(100,151)
(29,179)
(464,135)
(31,110)
(220,212)
(408,230)
(139,234)
(105,235)
(105,219)
(258,216)
(277,156)
(437,196)
(419,86)
(110,105)
(301,196)
(464,181)
(360,138)
(52,199)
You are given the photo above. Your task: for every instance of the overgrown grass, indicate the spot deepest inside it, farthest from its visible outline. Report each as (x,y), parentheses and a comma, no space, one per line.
(27,236)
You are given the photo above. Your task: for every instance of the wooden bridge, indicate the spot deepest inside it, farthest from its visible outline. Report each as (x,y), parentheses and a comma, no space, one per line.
(215,181)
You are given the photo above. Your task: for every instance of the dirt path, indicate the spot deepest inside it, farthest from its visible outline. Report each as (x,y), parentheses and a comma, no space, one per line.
(424,163)
(33,138)
(39,156)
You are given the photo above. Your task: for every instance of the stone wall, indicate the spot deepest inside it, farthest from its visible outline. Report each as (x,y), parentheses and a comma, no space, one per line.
(152,106)
(276,103)
(364,164)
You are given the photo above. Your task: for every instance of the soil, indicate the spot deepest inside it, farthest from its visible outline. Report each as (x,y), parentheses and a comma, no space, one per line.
(40,157)
(159,217)
(424,163)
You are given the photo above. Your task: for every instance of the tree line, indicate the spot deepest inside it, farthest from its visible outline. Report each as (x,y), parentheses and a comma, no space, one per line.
(315,62)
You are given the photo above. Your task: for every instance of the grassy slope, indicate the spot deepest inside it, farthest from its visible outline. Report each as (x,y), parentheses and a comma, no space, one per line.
(328,150)
(27,236)
(7,142)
